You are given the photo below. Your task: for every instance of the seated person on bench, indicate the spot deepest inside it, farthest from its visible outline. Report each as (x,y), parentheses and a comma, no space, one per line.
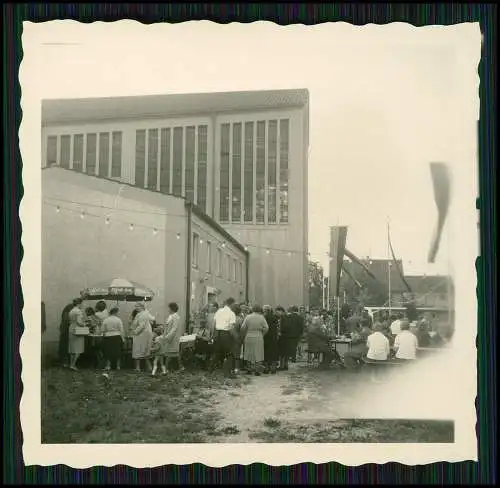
(406,343)
(359,349)
(378,345)
(318,341)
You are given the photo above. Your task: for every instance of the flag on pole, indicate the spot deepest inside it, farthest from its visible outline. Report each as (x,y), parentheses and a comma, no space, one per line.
(396,263)
(338,237)
(442,188)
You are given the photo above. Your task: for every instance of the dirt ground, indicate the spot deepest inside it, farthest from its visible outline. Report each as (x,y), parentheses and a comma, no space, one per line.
(304,404)
(307,404)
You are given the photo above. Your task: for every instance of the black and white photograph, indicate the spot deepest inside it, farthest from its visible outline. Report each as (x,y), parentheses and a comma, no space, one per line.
(256,237)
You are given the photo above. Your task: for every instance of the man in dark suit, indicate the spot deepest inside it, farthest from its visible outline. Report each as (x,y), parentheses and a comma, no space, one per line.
(64,335)
(286,341)
(271,355)
(297,325)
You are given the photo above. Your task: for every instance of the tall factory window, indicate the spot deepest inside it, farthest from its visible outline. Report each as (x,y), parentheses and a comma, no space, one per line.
(189,167)
(196,249)
(248,172)
(177,162)
(140,157)
(152,182)
(209,257)
(65,151)
(104,154)
(218,263)
(116,155)
(228,267)
(78,152)
(91,155)
(224,174)
(272,141)
(51,151)
(284,150)
(165,161)
(202,167)
(236,176)
(261,172)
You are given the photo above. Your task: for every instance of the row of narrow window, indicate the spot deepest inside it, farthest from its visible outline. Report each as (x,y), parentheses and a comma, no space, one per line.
(95,153)
(158,161)
(231,268)
(260,148)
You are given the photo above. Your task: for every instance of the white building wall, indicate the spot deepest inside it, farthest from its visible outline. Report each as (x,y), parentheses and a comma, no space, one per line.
(278,252)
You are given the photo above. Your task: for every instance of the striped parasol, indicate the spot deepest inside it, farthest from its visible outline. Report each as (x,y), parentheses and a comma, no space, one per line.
(119,289)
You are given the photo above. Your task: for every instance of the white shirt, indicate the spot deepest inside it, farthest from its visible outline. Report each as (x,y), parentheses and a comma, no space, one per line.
(396,327)
(224,319)
(406,344)
(102,315)
(378,346)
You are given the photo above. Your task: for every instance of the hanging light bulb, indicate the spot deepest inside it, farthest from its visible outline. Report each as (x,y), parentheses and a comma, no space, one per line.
(155,231)
(246,248)
(58,209)
(107,221)
(82,215)
(267,251)
(289,254)
(201,241)
(223,244)
(131,227)
(178,236)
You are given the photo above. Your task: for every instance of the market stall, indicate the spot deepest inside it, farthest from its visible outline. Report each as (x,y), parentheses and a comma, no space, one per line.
(117,290)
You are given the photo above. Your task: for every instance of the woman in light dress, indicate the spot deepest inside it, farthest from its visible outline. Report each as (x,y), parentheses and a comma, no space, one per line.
(142,336)
(169,340)
(253,330)
(76,343)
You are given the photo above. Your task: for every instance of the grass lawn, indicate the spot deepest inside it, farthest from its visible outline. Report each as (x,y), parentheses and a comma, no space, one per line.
(355,430)
(85,407)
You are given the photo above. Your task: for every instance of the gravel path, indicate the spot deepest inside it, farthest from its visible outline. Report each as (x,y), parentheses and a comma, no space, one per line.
(305,395)
(299,395)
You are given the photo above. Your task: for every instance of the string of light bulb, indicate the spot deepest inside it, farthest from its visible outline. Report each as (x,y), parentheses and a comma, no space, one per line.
(155,230)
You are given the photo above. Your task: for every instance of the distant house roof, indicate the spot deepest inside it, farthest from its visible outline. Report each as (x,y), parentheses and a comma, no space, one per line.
(419,284)
(426,284)
(64,111)
(380,269)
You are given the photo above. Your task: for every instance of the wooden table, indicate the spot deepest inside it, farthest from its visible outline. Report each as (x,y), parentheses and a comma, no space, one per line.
(341,345)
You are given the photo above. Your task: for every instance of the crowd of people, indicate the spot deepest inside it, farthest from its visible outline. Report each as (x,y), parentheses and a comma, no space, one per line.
(256,339)
(152,345)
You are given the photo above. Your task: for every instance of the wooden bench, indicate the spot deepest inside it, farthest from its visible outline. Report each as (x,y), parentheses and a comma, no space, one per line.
(387,362)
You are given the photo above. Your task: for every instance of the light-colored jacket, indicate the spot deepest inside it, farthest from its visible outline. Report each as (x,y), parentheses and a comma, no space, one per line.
(172,333)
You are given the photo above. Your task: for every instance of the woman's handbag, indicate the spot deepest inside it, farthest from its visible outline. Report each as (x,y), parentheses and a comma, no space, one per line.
(81,331)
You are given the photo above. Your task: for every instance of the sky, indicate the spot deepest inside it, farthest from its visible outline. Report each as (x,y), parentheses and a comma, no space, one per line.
(382,106)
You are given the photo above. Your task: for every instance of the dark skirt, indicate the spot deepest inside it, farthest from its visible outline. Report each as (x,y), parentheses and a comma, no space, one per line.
(112,347)
(224,342)
(287,346)
(271,352)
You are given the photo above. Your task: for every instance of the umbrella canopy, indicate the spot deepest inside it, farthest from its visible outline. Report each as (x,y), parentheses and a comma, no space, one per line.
(118,289)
